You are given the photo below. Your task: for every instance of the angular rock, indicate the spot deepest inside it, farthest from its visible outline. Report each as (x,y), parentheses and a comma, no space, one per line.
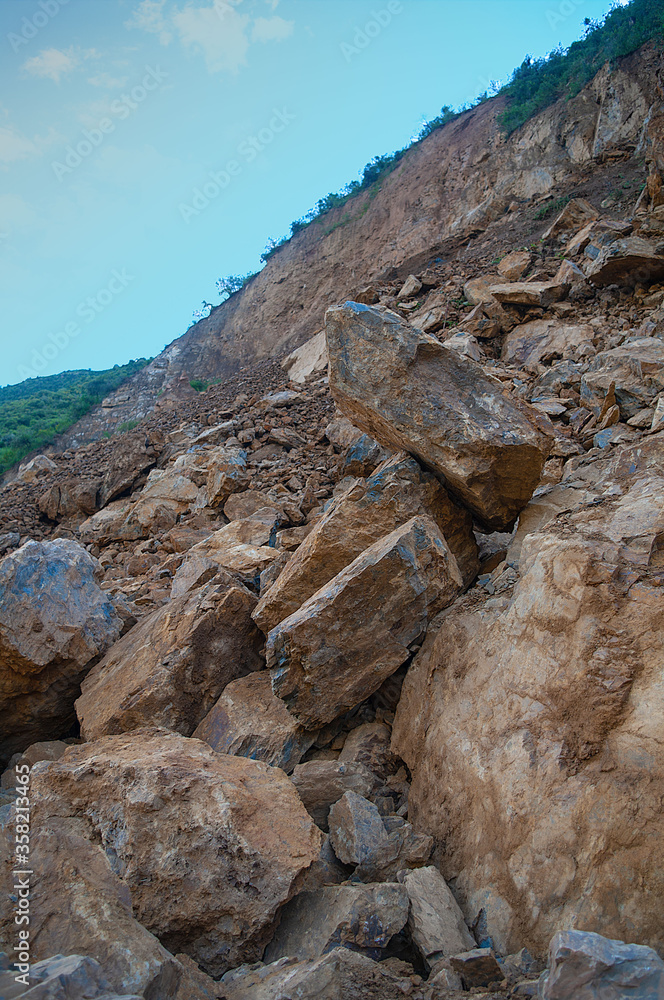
(132,457)
(361,917)
(464,344)
(339,974)
(37,468)
(362,457)
(435,920)
(171,668)
(227,474)
(185,832)
(625,262)
(410,287)
(249,720)
(365,512)
(530,293)
(409,392)
(577,212)
(321,783)
(570,725)
(477,967)
(343,642)
(598,228)
(515,264)
(635,369)
(357,831)
(478,290)
(54,620)
(305,360)
(584,965)
(369,744)
(61,977)
(544,340)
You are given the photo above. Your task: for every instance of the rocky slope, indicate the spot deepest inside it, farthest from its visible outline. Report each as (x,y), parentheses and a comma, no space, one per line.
(343,678)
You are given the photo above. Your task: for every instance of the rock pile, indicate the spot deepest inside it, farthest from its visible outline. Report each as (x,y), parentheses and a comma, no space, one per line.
(365,702)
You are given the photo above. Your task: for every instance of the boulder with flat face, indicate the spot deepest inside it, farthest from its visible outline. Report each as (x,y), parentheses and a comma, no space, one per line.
(171,668)
(203,847)
(365,512)
(408,391)
(354,632)
(585,965)
(54,621)
(626,262)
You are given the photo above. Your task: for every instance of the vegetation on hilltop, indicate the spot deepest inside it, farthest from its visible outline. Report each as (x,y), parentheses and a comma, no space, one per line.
(35,411)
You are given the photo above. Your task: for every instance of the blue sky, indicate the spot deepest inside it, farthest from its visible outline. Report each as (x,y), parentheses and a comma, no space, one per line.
(114,113)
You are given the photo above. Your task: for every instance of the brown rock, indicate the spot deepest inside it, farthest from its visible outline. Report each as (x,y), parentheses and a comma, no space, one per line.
(186,832)
(321,783)
(48,642)
(132,456)
(530,293)
(626,262)
(249,720)
(365,512)
(356,631)
(227,474)
(577,212)
(567,734)
(635,370)
(369,744)
(171,668)
(544,340)
(515,264)
(435,921)
(410,392)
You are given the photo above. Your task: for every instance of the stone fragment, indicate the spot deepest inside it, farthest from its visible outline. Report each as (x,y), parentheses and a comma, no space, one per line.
(464,344)
(369,744)
(36,468)
(365,512)
(357,831)
(204,847)
(584,965)
(478,290)
(227,473)
(321,783)
(410,287)
(658,416)
(576,213)
(627,261)
(361,917)
(515,264)
(530,293)
(362,457)
(435,920)
(636,371)
(354,632)
(339,974)
(409,392)
(132,456)
(304,361)
(240,506)
(61,977)
(597,228)
(249,720)
(477,967)
(341,433)
(171,668)
(54,620)
(544,340)
(9,540)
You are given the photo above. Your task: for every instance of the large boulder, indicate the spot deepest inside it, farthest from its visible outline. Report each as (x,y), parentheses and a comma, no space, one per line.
(366,511)
(585,966)
(131,457)
(170,669)
(352,634)
(250,721)
(544,340)
(435,921)
(409,392)
(540,716)
(203,847)
(61,977)
(321,783)
(626,262)
(635,370)
(54,621)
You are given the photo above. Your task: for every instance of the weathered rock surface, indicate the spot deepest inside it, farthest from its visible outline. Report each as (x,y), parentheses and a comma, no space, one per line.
(305,360)
(249,720)
(321,783)
(477,967)
(627,261)
(585,965)
(61,977)
(435,920)
(567,734)
(54,620)
(356,631)
(529,293)
(515,264)
(362,917)
(183,840)
(543,340)
(227,474)
(576,213)
(408,391)
(170,669)
(369,744)
(369,509)
(635,369)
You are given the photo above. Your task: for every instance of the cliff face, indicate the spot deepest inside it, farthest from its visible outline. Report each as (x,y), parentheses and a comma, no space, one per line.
(462,181)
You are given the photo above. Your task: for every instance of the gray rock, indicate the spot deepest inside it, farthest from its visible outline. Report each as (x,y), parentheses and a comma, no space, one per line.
(357,831)
(477,967)
(362,917)
(587,966)
(321,783)
(435,921)
(62,977)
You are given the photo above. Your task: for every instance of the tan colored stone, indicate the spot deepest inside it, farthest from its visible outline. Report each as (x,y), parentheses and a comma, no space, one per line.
(530,293)
(409,392)
(343,642)
(249,720)
(544,340)
(306,360)
(635,369)
(205,847)
(171,668)
(627,261)
(577,212)
(365,512)
(227,473)
(515,264)
(478,290)
(54,620)
(321,783)
(553,778)
(435,920)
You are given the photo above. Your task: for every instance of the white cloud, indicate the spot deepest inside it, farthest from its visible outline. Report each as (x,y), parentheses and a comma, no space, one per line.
(52,63)
(107,81)
(149,16)
(222,39)
(14,146)
(15,213)
(271,29)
